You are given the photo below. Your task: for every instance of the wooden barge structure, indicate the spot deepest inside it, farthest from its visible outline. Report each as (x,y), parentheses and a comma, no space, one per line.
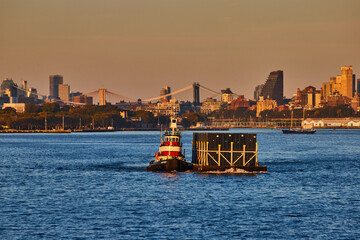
(223,151)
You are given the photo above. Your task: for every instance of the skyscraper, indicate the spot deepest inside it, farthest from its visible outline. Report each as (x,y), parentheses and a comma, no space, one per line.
(164,91)
(274,87)
(257,92)
(64,92)
(347,81)
(354,84)
(55,80)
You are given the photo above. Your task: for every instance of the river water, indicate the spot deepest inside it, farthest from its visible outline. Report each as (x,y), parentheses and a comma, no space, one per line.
(95,185)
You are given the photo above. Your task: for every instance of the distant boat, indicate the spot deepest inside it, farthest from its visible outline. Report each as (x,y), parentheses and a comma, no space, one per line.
(304,130)
(202,127)
(298,131)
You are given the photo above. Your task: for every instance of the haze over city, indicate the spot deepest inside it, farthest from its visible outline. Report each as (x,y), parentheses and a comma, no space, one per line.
(134,48)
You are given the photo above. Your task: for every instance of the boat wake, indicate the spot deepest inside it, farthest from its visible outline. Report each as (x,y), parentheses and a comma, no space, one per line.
(118,167)
(234,171)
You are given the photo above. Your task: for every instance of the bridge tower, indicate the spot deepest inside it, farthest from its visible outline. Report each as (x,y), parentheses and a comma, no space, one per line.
(102,97)
(196,94)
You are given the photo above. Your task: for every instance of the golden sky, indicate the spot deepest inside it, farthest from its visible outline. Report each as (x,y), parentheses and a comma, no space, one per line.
(135,47)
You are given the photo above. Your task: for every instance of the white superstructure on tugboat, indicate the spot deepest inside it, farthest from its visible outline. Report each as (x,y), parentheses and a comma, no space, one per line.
(170,156)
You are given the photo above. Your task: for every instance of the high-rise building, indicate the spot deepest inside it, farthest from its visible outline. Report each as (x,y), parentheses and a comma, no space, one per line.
(274,87)
(354,84)
(257,92)
(326,90)
(358,85)
(64,92)
(333,87)
(55,81)
(347,81)
(164,91)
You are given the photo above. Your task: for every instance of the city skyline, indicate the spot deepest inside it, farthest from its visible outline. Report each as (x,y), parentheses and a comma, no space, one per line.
(121,45)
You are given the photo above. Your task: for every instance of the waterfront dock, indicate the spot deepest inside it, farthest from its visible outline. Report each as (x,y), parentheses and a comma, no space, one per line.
(34,131)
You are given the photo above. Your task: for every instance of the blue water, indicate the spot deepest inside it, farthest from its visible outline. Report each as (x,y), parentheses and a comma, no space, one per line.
(95,185)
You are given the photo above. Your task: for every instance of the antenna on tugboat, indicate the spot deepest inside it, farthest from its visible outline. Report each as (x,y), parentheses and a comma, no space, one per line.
(162,140)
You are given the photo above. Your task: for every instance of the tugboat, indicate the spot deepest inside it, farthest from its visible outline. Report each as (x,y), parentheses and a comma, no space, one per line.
(170,156)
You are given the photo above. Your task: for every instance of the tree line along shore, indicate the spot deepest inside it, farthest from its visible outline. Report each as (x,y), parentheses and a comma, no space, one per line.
(50,116)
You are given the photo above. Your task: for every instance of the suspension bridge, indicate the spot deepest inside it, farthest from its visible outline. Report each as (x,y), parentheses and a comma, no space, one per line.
(103,95)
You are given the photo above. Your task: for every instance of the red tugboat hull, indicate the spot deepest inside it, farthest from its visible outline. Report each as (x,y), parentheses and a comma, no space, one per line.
(169,165)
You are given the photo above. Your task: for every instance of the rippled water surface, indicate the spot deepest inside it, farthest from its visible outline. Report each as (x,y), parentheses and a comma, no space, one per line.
(95,185)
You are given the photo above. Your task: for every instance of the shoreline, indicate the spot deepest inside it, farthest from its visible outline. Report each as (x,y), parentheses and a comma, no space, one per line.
(10,131)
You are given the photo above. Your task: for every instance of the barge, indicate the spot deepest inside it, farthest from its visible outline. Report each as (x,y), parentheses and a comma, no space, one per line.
(224,151)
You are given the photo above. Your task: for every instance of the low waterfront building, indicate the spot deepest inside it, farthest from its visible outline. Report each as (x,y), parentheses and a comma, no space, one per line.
(333,122)
(19,107)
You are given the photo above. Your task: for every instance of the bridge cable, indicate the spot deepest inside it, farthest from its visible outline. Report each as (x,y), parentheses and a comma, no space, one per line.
(169,94)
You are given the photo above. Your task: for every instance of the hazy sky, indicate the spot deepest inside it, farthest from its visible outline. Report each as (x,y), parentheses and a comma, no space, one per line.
(135,47)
